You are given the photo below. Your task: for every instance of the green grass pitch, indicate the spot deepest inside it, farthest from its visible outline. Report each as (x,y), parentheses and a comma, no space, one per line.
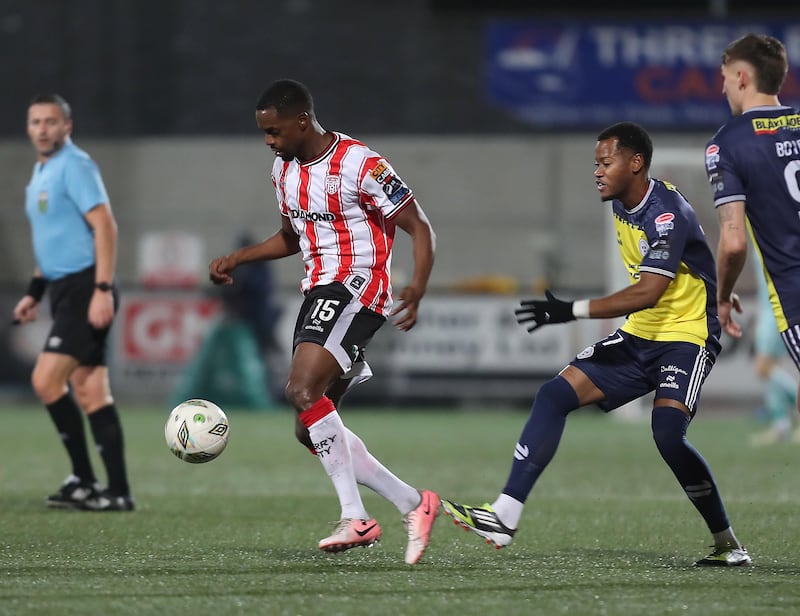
(606,531)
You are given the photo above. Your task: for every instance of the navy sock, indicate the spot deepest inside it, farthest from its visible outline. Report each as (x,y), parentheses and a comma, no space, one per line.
(690,469)
(68,420)
(541,435)
(107,431)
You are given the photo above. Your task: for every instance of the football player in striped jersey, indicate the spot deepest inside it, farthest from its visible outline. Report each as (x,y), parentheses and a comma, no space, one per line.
(340,203)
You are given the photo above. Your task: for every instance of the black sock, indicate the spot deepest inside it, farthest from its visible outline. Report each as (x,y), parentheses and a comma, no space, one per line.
(107,431)
(690,469)
(68,420)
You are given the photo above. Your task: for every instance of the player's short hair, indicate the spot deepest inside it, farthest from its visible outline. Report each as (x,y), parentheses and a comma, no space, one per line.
(53,99)
(766,55)
(286,96)
(632,137)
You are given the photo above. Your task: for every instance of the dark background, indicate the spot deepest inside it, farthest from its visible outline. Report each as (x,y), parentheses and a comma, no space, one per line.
(196,67)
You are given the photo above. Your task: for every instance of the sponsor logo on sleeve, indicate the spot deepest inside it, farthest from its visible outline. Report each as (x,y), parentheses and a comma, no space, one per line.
(379,169)
(392,186)
(712,156)
(382,173)
(664,223)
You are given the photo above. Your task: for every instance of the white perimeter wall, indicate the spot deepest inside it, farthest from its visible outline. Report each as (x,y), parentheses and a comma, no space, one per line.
(523,207)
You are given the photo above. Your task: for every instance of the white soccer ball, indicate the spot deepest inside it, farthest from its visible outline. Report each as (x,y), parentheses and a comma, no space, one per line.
(196,431)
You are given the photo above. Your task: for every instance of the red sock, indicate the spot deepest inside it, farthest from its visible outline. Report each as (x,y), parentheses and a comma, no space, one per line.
(317,411)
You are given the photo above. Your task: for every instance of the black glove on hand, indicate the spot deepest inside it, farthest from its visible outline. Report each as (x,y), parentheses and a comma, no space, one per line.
(544,312)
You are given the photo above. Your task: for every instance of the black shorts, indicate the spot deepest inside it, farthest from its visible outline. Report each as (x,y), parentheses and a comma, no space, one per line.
(72,334)
(334,319)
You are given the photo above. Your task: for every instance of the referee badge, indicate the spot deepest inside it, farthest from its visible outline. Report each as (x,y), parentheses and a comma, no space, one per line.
(43,201)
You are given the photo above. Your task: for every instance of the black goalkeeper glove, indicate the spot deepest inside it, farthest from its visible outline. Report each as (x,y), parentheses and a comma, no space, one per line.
(544,312)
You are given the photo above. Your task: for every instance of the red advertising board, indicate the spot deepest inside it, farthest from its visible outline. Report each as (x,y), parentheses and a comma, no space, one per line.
(165,329)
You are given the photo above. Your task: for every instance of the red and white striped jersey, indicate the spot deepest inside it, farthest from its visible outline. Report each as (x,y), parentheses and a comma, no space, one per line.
(341,205)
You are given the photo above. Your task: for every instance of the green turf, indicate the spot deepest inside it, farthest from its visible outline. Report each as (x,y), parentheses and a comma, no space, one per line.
(606,531)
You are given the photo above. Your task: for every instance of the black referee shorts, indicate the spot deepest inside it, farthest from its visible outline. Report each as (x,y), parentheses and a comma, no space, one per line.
(72,334)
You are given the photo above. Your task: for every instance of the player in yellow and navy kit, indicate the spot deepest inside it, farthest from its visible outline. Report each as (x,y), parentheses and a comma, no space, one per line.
(753,165)
(667,345)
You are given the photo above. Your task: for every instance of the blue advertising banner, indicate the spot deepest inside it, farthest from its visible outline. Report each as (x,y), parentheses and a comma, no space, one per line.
(555,74)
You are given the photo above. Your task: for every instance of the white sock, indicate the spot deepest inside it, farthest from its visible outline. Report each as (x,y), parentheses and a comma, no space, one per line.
(330,441)
(509,510)
(726,538)
(374,475)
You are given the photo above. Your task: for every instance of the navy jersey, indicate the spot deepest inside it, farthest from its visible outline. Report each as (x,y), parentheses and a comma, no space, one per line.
(662,235)
(755,158)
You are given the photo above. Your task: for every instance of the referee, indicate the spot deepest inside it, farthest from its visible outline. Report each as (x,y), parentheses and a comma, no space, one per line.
(75,244)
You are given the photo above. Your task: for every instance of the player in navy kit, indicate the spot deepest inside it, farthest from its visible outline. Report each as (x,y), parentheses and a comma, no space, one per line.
(74,242)
(667,345)
(753,165)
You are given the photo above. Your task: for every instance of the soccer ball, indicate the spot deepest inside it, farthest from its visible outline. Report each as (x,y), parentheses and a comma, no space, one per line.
(196,431)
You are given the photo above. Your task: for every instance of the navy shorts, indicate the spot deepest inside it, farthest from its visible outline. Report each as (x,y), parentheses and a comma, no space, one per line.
(334,319)
(72,334)
(626,367)
(791,338)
